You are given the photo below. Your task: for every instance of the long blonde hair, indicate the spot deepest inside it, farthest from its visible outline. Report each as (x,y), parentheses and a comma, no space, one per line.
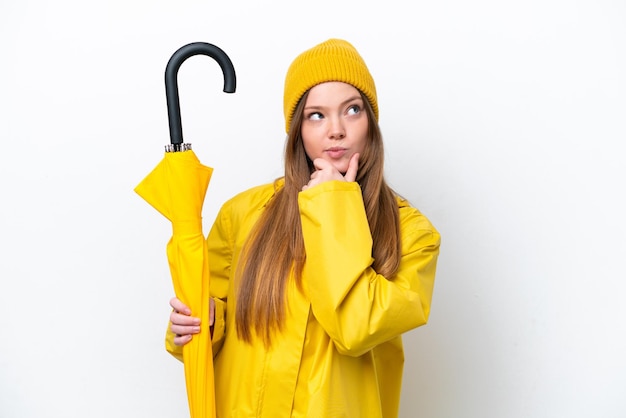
(275,249)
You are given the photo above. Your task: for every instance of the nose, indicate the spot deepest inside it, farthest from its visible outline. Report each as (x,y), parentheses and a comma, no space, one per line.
(336,129)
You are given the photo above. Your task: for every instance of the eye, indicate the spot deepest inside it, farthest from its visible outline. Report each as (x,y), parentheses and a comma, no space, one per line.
(315,116)
(354,109)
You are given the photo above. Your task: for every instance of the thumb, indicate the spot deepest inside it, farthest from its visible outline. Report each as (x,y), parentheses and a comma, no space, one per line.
(353,167)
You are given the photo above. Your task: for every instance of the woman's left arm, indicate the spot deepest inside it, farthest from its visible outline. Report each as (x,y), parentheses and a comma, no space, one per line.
(356,306)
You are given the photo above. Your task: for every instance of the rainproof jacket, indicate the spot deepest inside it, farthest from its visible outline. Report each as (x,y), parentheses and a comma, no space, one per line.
(340,354)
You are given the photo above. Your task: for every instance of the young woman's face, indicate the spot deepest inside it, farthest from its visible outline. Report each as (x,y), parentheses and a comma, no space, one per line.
(334,124)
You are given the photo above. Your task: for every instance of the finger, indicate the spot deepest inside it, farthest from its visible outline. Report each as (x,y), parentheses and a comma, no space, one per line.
(320,164)
(181,330)
(182,319)
(179,306)
(182,340)
(211,312)
(353,167)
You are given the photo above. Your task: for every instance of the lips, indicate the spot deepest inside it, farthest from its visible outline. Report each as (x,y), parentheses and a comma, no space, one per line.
(336,152)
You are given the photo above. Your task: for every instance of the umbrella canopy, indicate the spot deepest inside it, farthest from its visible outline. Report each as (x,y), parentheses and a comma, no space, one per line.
(176,188)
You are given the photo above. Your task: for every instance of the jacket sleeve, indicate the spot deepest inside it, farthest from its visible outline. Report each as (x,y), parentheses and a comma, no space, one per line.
(220,256)
(220,243)
(357,307)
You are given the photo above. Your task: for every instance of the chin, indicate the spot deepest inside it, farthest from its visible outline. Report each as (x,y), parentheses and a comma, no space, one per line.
(342,169)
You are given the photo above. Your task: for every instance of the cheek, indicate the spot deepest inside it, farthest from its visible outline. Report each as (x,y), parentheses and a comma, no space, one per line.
(311,148)
(306,145)
(362,143)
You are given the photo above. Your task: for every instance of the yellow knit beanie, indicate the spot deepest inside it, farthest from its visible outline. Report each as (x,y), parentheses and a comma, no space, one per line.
(332,60)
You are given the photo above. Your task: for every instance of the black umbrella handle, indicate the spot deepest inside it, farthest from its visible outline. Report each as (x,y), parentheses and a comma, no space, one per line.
(171,81)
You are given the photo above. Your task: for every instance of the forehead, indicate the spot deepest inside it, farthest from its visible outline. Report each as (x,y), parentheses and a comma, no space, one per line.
(332,91)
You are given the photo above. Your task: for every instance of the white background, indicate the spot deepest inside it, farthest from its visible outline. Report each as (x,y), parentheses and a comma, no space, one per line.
(504,123)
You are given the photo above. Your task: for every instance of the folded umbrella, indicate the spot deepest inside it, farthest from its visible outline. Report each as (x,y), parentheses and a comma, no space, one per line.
(176,188)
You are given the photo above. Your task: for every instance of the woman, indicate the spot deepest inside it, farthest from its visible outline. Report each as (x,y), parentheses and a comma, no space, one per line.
(315,277)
